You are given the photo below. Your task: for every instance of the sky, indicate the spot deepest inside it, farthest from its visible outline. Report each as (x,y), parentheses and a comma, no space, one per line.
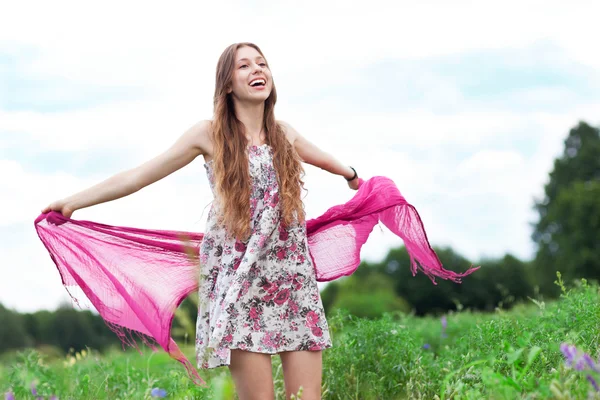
(464,104)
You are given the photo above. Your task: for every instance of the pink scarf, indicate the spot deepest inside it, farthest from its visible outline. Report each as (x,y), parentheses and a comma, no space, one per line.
(136,278)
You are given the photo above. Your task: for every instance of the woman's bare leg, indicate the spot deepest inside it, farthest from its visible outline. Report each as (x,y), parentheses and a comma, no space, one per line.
(252,375)
(302,368)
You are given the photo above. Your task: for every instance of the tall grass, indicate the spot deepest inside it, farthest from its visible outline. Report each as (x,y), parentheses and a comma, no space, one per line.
(505,355)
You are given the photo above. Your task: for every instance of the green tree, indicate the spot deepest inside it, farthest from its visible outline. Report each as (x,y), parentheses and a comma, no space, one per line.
(40,326)
(418,290)
(568,233)
(12,330)
(502,281)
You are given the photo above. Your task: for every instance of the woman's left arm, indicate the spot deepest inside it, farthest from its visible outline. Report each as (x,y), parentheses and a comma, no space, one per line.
(311,154)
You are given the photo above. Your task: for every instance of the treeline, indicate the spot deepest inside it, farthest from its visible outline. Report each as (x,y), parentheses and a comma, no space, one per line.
(567,236)
(389,286)
(62,329)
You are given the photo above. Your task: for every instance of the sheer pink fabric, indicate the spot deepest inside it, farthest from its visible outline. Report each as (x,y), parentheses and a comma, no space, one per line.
(136,278)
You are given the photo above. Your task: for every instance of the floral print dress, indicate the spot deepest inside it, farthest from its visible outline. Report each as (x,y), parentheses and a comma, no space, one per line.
(259,295)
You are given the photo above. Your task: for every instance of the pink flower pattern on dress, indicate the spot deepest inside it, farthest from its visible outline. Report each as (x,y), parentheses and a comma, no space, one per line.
(259,295)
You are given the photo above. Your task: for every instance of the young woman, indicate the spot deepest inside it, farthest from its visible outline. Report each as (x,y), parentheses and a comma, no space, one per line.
(258,293)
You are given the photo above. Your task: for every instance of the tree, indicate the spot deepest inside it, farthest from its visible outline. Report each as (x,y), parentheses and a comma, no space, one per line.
(40,325)
(72,329)
(567,233)
(419,291)
(502,281)
(12,330)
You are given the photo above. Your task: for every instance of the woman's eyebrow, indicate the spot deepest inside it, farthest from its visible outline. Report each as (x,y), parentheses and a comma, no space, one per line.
(246,59)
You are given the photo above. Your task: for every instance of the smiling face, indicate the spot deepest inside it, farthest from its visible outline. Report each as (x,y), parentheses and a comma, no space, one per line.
(251,80)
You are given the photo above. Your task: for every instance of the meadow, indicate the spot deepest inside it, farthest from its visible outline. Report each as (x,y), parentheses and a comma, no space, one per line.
(508,354)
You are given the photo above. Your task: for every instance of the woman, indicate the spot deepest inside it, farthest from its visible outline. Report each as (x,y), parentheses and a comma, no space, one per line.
(258,293)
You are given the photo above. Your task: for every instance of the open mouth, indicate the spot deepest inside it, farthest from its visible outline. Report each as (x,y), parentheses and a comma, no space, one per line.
(258,82)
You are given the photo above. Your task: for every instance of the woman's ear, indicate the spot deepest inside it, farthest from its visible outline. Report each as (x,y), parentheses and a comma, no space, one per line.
(229,89)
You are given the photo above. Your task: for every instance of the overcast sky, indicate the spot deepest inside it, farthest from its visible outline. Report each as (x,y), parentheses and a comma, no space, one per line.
(463,104)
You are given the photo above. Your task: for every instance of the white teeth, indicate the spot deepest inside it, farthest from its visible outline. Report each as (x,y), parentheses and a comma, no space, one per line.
(253,83)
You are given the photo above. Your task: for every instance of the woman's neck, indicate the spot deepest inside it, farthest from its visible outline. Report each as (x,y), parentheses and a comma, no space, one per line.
(252,116)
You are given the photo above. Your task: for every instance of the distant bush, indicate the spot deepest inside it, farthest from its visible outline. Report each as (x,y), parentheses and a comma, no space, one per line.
(368,297)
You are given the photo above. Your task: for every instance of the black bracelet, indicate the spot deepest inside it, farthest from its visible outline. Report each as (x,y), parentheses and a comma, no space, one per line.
(354,177)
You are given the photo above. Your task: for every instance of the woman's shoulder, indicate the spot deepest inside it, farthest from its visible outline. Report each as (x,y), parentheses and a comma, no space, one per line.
(203,136)
(288,130)
(204,126)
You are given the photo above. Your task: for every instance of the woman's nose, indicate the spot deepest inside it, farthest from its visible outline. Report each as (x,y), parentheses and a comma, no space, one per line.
(257,68)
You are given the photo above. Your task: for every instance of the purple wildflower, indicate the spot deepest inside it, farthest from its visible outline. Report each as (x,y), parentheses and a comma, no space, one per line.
(9,396)
(426,346)
(580,364)
(156,392)
(444,321)
(593,366)
(53,397)
(580,361)
(593,382)
(569,351)
(33,389)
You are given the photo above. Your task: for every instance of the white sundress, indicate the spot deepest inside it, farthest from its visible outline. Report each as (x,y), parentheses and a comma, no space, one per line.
(259,295)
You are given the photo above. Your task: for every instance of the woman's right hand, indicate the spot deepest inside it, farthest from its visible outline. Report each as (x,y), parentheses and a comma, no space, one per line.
(61,206)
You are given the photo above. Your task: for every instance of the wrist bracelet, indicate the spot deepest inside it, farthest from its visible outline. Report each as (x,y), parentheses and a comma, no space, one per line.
(354,177)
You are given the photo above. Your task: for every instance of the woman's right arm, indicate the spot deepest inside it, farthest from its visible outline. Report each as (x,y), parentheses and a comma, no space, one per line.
(190,145)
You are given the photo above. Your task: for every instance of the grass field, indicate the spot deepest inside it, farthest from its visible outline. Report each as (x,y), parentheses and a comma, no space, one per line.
(512,354)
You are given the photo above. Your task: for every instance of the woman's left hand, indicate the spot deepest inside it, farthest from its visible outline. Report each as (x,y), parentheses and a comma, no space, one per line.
(354,183)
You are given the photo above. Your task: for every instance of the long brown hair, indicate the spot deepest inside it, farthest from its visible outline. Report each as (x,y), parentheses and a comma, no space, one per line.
(230,166)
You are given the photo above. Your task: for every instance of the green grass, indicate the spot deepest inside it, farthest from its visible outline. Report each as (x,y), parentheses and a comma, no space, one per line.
(505,355)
